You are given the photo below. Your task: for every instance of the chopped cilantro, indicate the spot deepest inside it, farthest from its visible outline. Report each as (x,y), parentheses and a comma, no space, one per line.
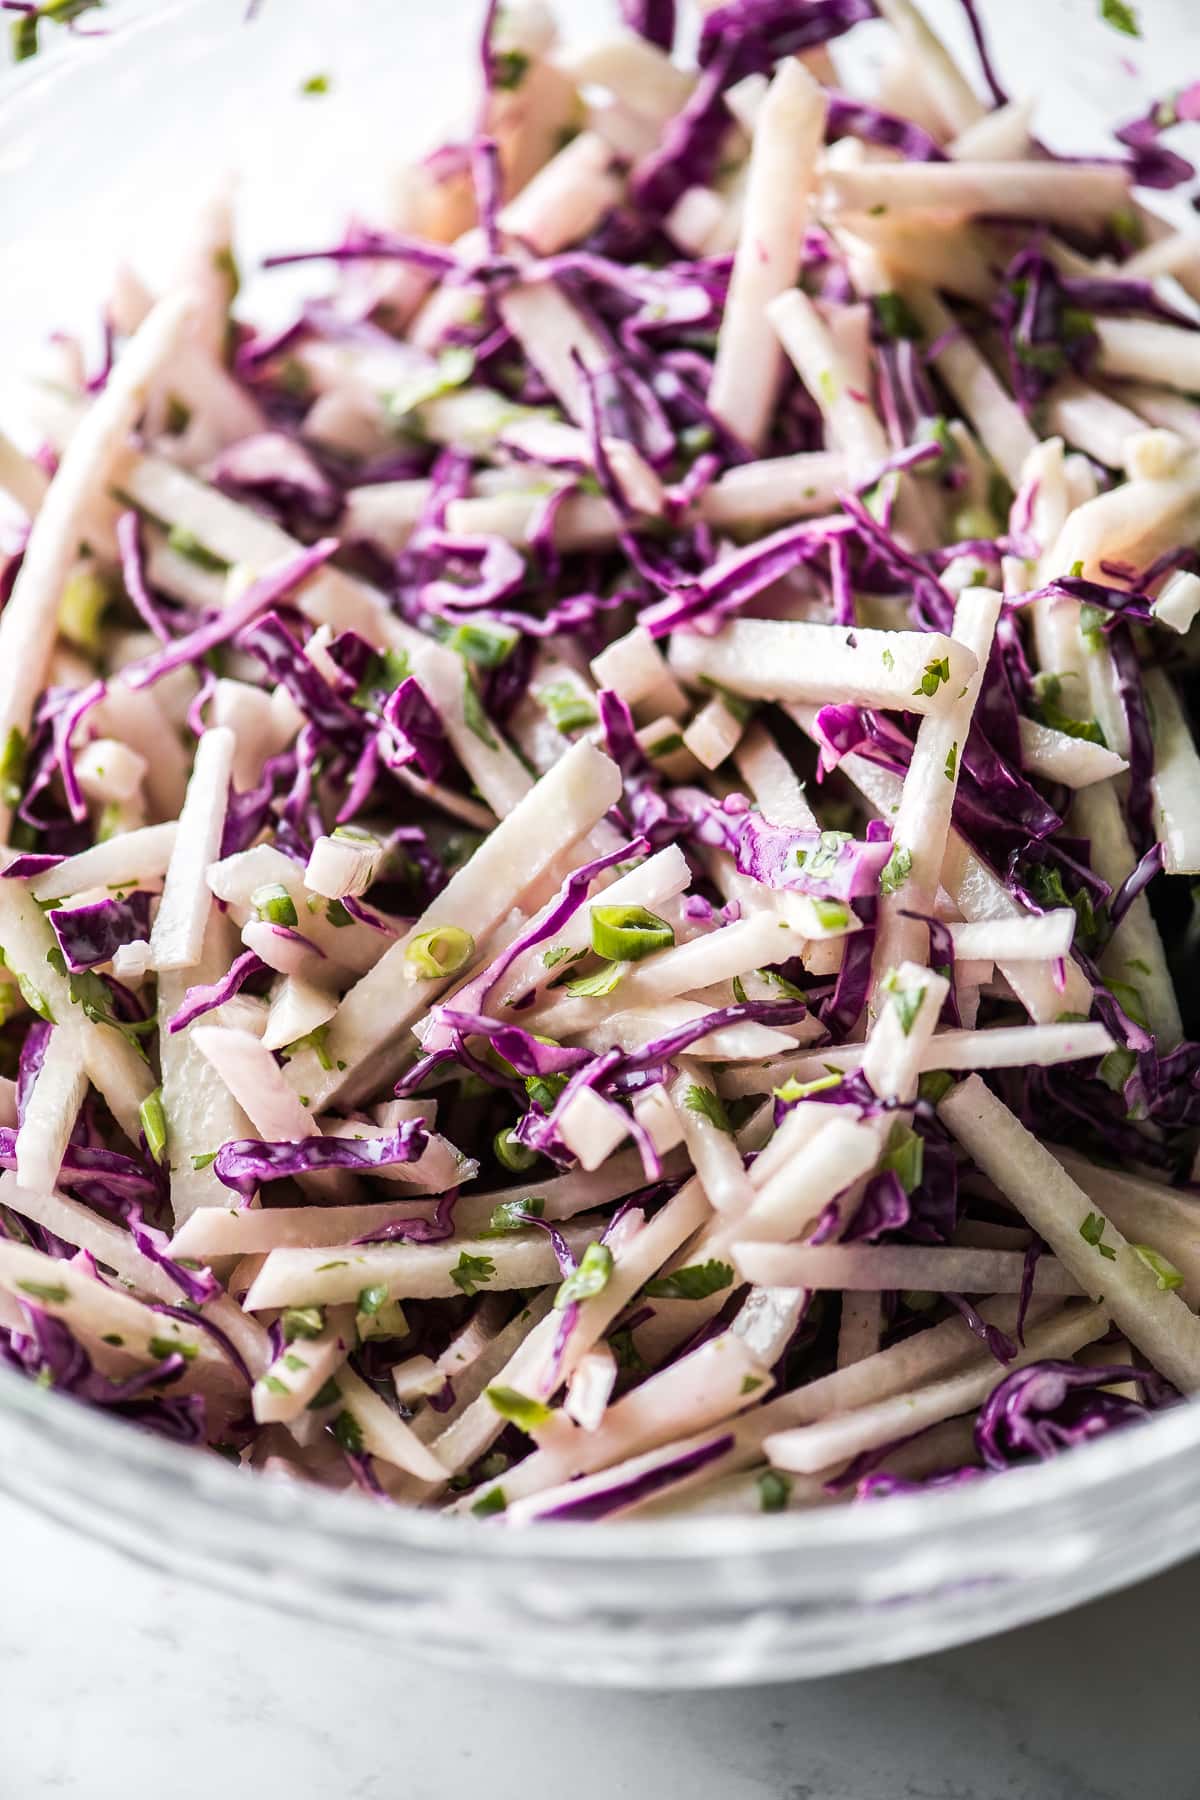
(774,1491)
(348,1432)
(710,1106)
(936,671)
(1121,16)
(471,1272)
(896,870)
(491,1502)
(696,1282)
(1092,1231)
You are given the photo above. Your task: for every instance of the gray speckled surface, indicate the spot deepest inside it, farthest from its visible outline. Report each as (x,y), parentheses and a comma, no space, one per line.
(117,1683)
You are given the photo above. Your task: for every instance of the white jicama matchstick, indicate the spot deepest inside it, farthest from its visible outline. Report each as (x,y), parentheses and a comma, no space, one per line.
(920,829)
(787,135)
(1088,1245)
(871,1268)
(769,659)
(813,1447)
(178,934)
(29,622)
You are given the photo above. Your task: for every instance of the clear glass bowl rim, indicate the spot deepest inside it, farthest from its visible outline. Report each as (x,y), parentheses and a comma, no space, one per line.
(73,1434)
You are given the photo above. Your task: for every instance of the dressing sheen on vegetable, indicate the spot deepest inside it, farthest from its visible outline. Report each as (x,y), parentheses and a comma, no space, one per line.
(596,905)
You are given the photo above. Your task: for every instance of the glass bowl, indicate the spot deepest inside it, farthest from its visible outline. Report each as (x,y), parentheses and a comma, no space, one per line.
(105,146)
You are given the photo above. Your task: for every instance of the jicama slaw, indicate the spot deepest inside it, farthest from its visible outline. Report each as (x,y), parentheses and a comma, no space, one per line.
(653,716)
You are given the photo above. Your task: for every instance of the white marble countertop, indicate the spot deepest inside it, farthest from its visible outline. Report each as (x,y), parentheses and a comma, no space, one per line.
(117,1683)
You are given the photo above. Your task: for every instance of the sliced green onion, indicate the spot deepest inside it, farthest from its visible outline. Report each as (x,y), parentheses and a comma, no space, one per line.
(831,914)
(442,951)
(12,766)
(481,642)
(591,1277)
(185,543)
(517,1408)
(274,905)
(513,1155)
(154,1124)
(627,933)
(302,1322)
(81,609)
(1165,1273)
(566,708)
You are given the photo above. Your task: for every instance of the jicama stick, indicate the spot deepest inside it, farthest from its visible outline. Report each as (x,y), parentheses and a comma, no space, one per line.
(565,804)
(1100,1259)
(645,78)
(493,768)
(134,859)
(812,1447)
(714,1381)
(1001,135)
(1147,350)
(998,421)
(909,1001)
(922,1357)
(998,1047)
(634,667)
(945,87)
(769,659)
(1021,940)
(709,1139)
(1064,195)
(772,781)
(255,1081)
(538,1364)
(1175,783)
(553,333)
(846,408)
(1134,953)
(178,934)
(469,1382)
(382,1432)
(567,197)
(30,619)
(788,1197)
(921,826)
(1151,1215)
(860,1327)
(413,1271)
(721,955)
(869,1268)
(1178,602)
(113,1065)
(1094,422)
(284,1390)
(748,363)
(66,1291)
(51,1111)
(240,536)
(1076,762)
(775,491)
(974,889)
